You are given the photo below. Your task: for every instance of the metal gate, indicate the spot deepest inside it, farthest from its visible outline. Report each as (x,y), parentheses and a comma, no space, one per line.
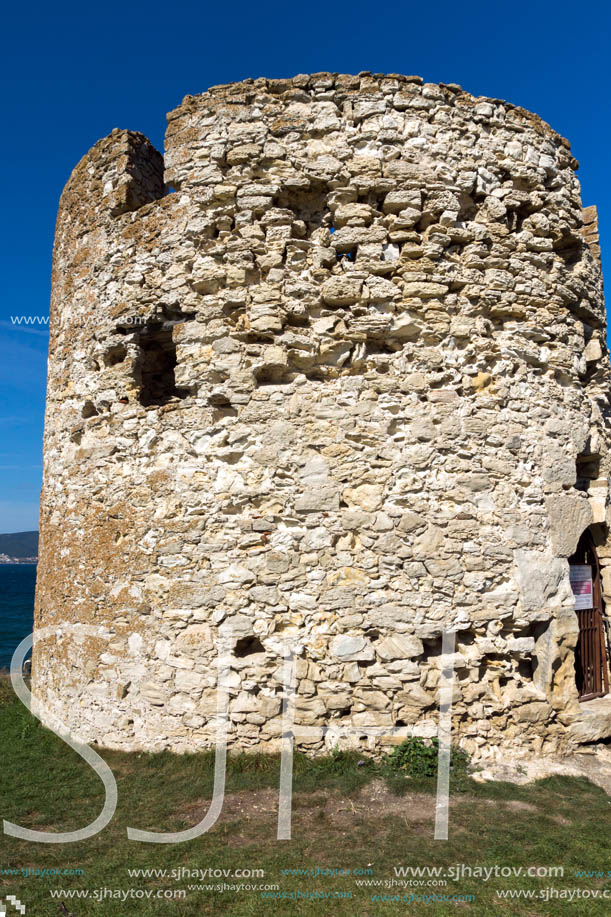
(591,671)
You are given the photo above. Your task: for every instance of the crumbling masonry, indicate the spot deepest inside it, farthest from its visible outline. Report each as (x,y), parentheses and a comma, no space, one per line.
(337,377)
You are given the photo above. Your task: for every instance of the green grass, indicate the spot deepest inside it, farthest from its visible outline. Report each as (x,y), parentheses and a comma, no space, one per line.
(346,814)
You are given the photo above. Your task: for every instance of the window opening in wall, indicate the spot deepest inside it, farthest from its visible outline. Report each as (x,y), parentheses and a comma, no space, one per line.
(587,470)
(157,360)
(157,365)
(115,355)
(591,665)
(248,646)
(349,255)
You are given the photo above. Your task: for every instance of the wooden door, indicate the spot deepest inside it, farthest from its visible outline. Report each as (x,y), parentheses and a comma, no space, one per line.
(591,670)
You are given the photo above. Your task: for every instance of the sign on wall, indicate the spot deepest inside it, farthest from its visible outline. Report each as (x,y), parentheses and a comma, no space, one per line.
(581,584)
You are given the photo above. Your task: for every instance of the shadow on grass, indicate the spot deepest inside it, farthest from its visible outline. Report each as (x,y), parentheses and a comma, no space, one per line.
(348,811)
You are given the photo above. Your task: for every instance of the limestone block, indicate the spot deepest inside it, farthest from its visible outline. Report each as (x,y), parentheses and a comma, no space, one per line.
(558,466)
(154,694)
(598,494)
(235,576)
(269,706)
(208,703)
(351,672)
(366,107)
(405,327)
(534,712)
(522,646)
(569,516)
(355,519)
(542,579)
(180,704)
(593,350)
(269,322)
(592,721)
(368,497)
(380,289)
(429,543)
(370,700)
(352,649)
(554,650)
(277,562)
(415,697)
(189,682)
(391,616)
(320,500)
(207,275)
(195,635)
(348,576)
(410,522)
(396,201)
(399,646)
(353,215)
(336,700)
(240,625)
(244,703)
(309,711)
(424,289)
(383,523)
(317,539)
(342,291)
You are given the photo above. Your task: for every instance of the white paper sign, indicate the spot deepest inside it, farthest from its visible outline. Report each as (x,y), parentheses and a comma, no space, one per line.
(581,584)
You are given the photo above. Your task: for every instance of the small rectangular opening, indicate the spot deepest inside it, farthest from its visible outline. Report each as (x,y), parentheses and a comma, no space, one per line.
(156,365)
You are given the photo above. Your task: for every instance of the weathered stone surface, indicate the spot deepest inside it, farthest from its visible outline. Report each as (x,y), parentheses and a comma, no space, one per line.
(319,499)
(351,649)
(534,712)
(542,580)
(569,516)
(399,646)
(189,682)
(235,575)
(368,497)
(415,697)
(343,391)
(154,694)
(593,721)
(342,291)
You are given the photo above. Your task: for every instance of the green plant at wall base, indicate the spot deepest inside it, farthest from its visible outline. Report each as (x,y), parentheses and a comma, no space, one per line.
(419,758)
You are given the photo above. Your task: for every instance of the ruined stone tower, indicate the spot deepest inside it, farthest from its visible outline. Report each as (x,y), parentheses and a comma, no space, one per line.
(337,377)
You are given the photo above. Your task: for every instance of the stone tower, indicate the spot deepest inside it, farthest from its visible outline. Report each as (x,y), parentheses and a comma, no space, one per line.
(335,373)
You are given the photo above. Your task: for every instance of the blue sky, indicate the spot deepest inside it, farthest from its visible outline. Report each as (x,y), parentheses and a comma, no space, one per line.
(72,72)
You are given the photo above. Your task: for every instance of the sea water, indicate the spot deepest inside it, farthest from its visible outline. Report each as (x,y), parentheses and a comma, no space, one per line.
(17,584)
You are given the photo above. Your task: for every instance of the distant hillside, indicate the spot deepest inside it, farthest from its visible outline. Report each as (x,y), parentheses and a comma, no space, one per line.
(19,544)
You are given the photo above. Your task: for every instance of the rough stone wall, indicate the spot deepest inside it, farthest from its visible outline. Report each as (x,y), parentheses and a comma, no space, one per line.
(345,387)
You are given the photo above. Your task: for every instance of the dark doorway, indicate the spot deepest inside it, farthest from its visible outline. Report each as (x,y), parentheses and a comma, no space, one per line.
(591,670)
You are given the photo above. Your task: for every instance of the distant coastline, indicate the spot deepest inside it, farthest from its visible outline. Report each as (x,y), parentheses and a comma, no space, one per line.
(19,548)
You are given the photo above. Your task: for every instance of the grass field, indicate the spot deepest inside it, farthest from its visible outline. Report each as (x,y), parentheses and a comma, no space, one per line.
(347,815)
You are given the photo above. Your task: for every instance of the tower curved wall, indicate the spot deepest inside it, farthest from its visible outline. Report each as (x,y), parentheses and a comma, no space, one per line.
(336,378)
